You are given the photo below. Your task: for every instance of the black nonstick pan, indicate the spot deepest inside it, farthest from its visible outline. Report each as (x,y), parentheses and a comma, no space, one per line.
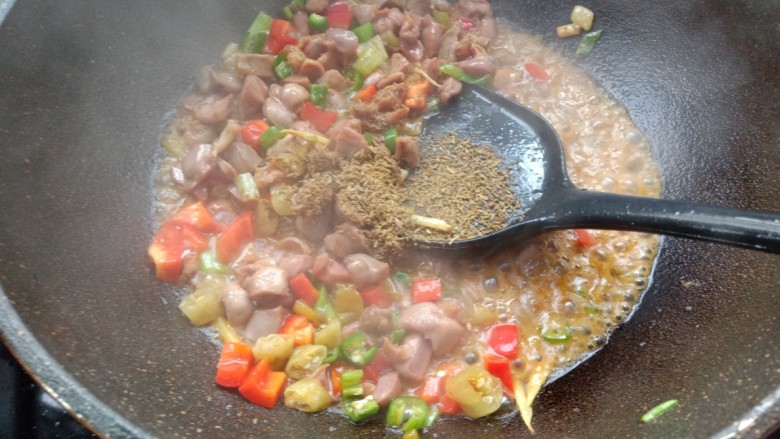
(86,86)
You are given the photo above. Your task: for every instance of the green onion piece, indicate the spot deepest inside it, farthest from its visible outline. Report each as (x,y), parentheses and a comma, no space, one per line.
(407,412)
(356,79)
(397,335)
(356,351)
(271,135)
(319,94)
(555,332)
(364,32)
(254,39)
(318,23)
(659,410)
(484,80)
(282,69)
(391,41)
(287,12)
(591,308)
(451,70)
(208,263)
(247,188)
(369,137)
(360,410)
(442,17)
(587,43)
(391,136)
(403,279)
(370,55)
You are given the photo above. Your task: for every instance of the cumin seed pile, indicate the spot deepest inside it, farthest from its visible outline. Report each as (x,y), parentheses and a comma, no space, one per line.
(464,184)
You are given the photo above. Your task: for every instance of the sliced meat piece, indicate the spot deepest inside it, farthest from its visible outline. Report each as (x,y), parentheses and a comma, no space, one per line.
(316,6)
(316,46)
(388,386)
(227,80)
(376,321)
(238,306)
(346,142)
(335,80)
(315,227)
(241,157)
(373,78)
(410,29)
(487,28)
(346,240)
(293,245)
(300,80)
(268,286)
(293,96)
(366,270)
(364,13)
(399,63)
(471,46)
(454,309)
(252,97)
(278,113)
(228,135)
(479,66)
(388,19)
(294,265)
(256,64)
(268,174)
(431,35)
(411,358)
(419,7)
(329,271)
(390,98)
(431,67)
(429,320)
(450,87)
(264,322)
(392,78)
(407,150)
(214,112)
(311,69)
(198,162)
(195,133)
(345,41)
(301,23)
(204,80)
(506,77)
(413,51)
(474,9)
(448,42)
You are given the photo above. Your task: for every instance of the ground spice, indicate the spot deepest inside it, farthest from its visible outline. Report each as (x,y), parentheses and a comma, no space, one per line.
(464,184)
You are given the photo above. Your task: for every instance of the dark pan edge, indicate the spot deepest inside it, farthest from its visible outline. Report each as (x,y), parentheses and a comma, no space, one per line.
(761,421)
(57,382)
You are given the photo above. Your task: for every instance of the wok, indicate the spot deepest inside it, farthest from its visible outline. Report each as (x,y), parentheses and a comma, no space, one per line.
(85,86)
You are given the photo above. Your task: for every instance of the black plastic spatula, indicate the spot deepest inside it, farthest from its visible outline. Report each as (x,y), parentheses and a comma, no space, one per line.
(531,148)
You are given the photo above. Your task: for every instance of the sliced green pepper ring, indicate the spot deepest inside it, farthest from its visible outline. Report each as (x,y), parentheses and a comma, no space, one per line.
(409,413)
(360,410)
(356,351)
(555,332)
(390,138)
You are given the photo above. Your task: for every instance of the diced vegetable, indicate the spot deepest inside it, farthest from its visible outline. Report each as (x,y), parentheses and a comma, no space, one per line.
(390,40)
(303,288)
(324,307)
(376,367)
(251,132)
(321,120)
(568,30)
(442,17)
(360,410)
(478,392)
(319,94)
(408,413)
(278,36)
(307,395)
(416,95)
(276,349)
(299,327)
(498,366)
(339,15)
(281,199)
(582,17)
(555,331)
(366,93)
(585,238)
(333,355)
(305,360)
(482,315)
(263,386)
(390,138)
(376,295)
(458,73)
(166,252)
(247,189)
(204,305)
(347,299)
(255,37)
(397,336)
(302,309)
(659,410)
(266,220)
(426,289)
(318,23)
(281,67)
(335,377)
(370,55)
(174,145)
(587,43)
(350,383)
(355,78)
(536,71)
(503,340)
(234,363)
(329,335)
(196,216)
(238,234)
(402,279)
(225,332)
(364,32)
(208,263)
(271,135)
(356,351)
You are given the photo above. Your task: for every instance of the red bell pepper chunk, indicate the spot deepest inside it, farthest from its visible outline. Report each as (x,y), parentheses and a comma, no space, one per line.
(196,216)
(278,36)
(467,24)
(373,369)
(335,377)
(301,329)
(375,295)
(366,93)
(499,367)
(426,289)
(447,405)
(303,288)
(503,339)
(275,45)
(432,388)
(536,71)
(166,251)
(322,120)
(279,28)
(252,131)
(234,363)
(263,386)
(238,234)
(339,15)
(585,238)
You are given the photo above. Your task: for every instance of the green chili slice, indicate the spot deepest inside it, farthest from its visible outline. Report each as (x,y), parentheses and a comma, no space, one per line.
(403,279)
(587,43)
(408,413)
(369,137)
(555,332)
(271,135)
(451,70)
(364,32)
(208,263)
(659,410)
(318,23)
(333,356)
(360,410)
(282,69)
(319,94)
(390,138)
(356,78)
(246,186)
(350,383)
(254,39)
(397,335)
(324,306)
(356,351)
